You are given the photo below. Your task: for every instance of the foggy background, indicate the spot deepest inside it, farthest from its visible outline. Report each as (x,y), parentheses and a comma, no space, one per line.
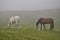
(28,4)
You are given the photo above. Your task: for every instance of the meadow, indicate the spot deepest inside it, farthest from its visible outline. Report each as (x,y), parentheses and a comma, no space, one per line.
(27,28)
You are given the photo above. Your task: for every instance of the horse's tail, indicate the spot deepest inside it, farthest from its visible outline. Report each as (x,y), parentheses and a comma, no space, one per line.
(52,25)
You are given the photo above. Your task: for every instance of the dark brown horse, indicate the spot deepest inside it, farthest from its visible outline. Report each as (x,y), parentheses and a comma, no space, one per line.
(44,21)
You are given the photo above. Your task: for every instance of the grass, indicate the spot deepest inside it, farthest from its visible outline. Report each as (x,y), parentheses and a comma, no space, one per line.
(28,34)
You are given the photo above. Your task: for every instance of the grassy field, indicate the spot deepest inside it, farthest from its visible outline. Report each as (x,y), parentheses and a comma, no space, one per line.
(28,34)
(27,29)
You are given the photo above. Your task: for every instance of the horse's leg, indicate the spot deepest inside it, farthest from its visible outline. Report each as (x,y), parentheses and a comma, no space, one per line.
(16,23)
(50,27)
(36,27)
(41,27)
(11,24)
(44,27)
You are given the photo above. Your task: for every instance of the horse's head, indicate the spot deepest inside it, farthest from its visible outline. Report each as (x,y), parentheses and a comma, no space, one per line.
(8,24)
(37,24)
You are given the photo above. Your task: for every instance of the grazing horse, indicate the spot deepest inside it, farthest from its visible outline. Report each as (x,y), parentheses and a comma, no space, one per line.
(12,20)
(44,21)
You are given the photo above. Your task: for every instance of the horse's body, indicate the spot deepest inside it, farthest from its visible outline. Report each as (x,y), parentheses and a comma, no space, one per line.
(15,19)
(44,21)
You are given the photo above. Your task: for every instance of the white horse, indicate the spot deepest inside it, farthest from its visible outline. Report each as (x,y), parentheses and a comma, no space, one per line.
(14,20)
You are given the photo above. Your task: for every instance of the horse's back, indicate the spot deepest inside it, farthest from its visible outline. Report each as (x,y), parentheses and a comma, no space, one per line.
(17,17)
(46,20)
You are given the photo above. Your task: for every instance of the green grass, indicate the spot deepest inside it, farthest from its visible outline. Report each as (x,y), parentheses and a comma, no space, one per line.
(28,34)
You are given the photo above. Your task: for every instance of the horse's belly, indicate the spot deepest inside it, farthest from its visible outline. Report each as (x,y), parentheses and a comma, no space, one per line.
(13,22)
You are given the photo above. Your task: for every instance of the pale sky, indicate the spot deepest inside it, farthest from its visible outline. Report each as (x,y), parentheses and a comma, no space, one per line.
(28,4)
